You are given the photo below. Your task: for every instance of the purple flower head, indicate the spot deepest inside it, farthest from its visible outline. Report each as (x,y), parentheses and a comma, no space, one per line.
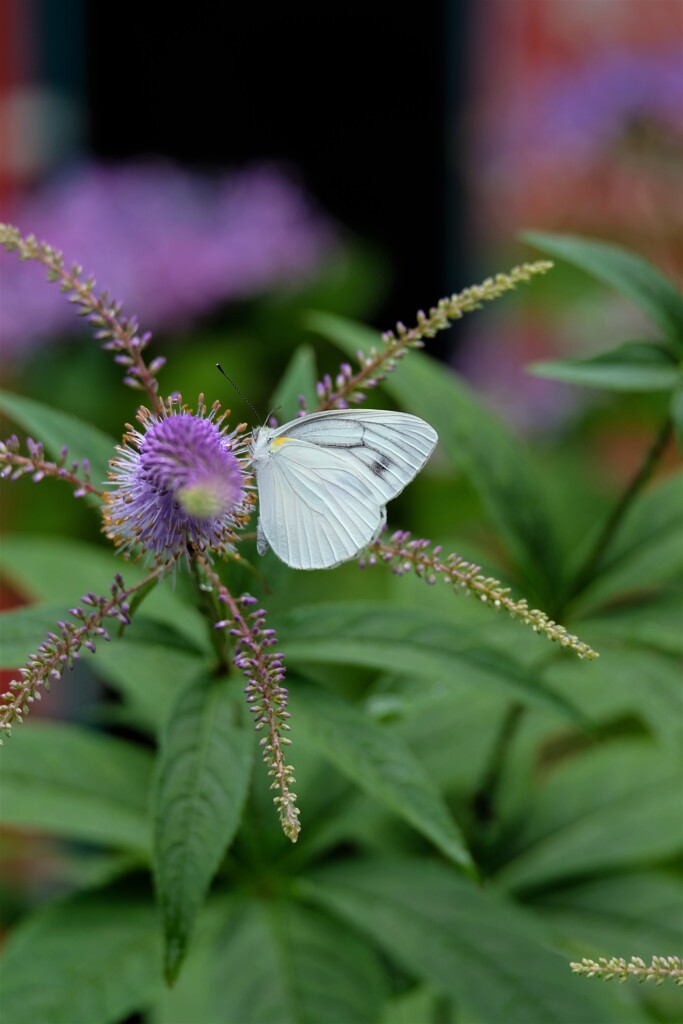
(178,484)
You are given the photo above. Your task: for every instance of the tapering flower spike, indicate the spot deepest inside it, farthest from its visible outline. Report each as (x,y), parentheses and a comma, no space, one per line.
(179,483)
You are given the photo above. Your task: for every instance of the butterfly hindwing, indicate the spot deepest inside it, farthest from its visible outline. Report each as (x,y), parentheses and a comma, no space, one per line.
(314,510)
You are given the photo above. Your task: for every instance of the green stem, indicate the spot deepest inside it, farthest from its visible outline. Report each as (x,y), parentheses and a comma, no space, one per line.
(596,554)
(484,799)
(212,613)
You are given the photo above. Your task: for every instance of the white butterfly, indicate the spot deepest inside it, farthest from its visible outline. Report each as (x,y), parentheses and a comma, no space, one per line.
(324,481)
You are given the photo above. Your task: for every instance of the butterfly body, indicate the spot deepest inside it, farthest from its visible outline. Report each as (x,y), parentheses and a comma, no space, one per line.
(324,481)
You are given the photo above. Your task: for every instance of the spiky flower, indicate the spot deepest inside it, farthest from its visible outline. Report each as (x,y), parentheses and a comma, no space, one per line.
(659,968)
(179,483)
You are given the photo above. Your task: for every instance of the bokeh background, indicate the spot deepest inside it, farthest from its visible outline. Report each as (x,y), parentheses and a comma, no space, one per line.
(197,165)
(223,168)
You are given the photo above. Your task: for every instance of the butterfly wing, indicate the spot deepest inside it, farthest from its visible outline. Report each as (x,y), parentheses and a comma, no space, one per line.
(387,448)
(315,509)
(324,481)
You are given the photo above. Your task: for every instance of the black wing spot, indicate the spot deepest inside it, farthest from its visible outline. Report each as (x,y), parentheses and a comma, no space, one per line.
(380,465)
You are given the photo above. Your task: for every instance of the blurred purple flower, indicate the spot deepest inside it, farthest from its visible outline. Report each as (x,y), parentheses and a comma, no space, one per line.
(495,365)
(174,244)
(579,111)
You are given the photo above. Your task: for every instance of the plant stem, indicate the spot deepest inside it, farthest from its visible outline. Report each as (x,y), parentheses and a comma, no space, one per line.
(484,799)
(587,570)
(212,613)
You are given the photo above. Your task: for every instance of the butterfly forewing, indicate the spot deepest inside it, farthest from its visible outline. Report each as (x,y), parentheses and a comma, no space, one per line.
(388,448)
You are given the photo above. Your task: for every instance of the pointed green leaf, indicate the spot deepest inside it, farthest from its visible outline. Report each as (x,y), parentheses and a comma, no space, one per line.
(436,717)
(197,994)
(91,959)
(611,807)
(149,676)
(633,366)
(408,641)
(646,551)
(475,441)
(440,927)
(378,761)
(59,570)
(291,963)
(56,429)
(618,914)
(204,769)
(299,379)
(653,623)
(630,683)
(72,782)
(633,276)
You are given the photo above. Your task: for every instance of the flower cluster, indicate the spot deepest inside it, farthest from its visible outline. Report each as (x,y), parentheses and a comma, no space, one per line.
(659,968)
(179,484)
(374,365)
(35,463)
(404,554)
(266,697)
(61,649)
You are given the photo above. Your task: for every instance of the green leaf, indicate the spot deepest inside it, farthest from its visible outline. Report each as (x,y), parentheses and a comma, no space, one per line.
(476,442)
(197,995)
(204,769)
(439,716)
(378,762)
(57,570)
(85,785)
(633,366)
(442,928)
(420,1005)
(646,551)
(631,275)
(23,629)
(618,914)
(299,379)
(92,959)
(56,429)
(611,807)
(149,676)
(628,683)
(292,963)
(653,623)
(677,414)
(410,642)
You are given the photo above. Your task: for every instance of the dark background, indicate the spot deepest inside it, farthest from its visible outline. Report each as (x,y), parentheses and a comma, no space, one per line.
(357,100)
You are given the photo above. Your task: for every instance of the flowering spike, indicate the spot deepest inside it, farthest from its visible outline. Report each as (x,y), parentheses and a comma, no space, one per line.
(266,696)
(13,466)
(119,334)
(374,365)
(404,554)
(659,968)
(61,649)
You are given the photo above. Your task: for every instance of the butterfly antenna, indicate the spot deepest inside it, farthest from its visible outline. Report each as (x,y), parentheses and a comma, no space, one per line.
(240,393)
